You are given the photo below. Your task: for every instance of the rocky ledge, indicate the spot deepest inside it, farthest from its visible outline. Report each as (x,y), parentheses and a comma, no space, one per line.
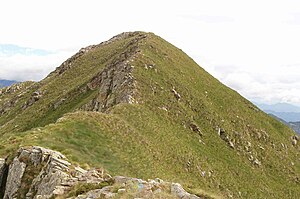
(36,172)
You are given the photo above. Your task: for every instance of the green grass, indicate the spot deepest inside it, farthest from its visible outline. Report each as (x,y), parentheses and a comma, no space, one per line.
(143,140)
(82,188)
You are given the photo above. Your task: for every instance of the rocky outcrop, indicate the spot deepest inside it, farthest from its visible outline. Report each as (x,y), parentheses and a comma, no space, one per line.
(14,88)
(14,179)
(37,172)
(35,96)
(138,188)
(68,63)
(115,83)
(3,176)
(11,95)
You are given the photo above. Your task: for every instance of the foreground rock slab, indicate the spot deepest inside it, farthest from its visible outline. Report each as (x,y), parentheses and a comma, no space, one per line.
(37,172)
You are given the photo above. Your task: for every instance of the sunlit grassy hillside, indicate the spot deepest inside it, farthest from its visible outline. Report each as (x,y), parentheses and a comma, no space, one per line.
(183,126)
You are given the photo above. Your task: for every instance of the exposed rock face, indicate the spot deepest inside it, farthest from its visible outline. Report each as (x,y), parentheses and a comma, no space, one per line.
(13,184)
(37,172)
(3,176)
(10,96)
(115,83)
(35,96)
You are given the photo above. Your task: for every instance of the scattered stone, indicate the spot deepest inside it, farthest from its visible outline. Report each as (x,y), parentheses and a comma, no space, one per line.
(163,108)
(203,173)
(250,158)
(249,144)
(257,162)
(209,173)
(262,148)
(292,163)
(295,139)
(195,128)
(231,144)
(98,193)
(176,94)
(200,141)
(121,190)
(221,131)
(177,190)
(224,136)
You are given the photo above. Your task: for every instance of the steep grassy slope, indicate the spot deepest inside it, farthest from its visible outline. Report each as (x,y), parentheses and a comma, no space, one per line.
(183,125)
(64,90)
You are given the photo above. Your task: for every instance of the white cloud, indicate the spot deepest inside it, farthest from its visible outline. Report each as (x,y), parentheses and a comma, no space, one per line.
(30,67)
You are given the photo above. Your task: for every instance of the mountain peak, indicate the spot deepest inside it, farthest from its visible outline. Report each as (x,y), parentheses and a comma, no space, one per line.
(136,100)
(123,36)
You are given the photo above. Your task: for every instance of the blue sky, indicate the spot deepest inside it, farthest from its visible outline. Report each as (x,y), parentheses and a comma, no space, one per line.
(251,46)
(11,50)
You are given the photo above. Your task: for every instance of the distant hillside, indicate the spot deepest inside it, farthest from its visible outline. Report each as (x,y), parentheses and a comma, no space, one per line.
(285,111)
(279,119)
(4,83)
(286,116)
(295,126)
(280,107)
(138,106)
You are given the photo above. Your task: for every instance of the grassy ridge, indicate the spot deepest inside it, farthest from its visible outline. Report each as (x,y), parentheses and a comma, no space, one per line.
(60,86)
(154,138)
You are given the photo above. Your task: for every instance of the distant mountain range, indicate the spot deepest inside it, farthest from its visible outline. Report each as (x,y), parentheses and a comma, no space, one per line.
(294,125)
(286,116)
(280,107)
(4,83)
(286,113)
